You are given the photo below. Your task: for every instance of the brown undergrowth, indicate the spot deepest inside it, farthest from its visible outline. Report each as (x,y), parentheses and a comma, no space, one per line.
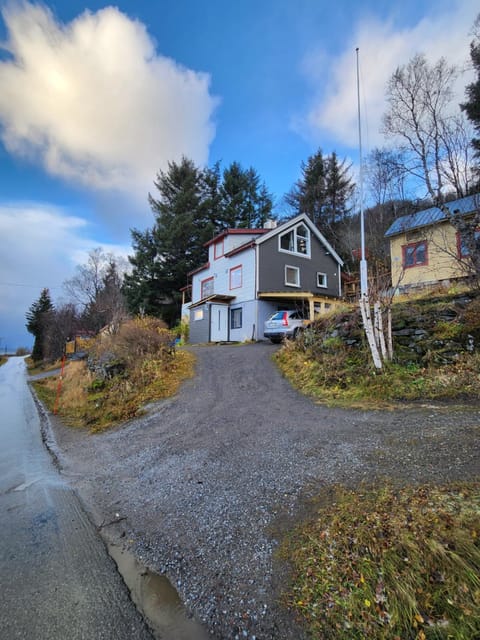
(389,564)
(143,366)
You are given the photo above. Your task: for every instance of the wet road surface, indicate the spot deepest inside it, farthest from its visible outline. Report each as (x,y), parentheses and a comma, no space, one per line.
(57,581)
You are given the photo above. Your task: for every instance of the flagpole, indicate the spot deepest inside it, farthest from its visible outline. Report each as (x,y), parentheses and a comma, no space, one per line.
(363,260)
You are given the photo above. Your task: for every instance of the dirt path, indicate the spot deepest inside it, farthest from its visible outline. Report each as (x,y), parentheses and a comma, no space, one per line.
(198,487)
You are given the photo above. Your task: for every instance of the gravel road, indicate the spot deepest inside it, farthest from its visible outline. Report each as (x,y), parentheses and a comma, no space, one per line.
(201,486)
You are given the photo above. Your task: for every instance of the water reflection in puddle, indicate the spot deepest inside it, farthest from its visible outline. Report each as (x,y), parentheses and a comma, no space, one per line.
(157,599)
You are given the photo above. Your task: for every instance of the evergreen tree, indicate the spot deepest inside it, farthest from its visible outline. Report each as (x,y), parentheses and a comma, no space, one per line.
(323,192)
(192,206)
(245,203)
(37,316)
(472,106)
(165,254)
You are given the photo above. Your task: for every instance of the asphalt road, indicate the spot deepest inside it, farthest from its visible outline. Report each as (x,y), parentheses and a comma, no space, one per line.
(57,580)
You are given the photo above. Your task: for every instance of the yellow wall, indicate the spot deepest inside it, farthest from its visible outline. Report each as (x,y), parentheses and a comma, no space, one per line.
(442,256)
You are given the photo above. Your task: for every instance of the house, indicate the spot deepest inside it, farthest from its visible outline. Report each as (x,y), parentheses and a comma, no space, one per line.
(251,273)
(426,248)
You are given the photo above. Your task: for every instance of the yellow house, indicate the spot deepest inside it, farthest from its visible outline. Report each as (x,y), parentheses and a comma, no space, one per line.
(426,249)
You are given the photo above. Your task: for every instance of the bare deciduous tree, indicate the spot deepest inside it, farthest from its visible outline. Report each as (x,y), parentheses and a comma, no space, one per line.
(431,134)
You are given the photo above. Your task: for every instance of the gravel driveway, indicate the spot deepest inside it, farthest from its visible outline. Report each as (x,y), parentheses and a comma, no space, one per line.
(200,487)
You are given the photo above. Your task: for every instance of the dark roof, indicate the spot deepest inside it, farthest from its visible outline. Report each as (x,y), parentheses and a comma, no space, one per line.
(228,232)
(433,215)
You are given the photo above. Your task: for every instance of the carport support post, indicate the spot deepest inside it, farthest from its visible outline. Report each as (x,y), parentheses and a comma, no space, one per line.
(311,309)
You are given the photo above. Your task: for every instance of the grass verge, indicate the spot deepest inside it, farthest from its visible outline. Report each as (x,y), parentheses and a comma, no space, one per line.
(343,376)
(87,401)
(389,564)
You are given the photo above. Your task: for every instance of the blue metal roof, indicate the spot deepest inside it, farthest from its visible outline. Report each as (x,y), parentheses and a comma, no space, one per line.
(433,215)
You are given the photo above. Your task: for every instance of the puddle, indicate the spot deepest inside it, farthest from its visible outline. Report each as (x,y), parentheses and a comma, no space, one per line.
(157,599)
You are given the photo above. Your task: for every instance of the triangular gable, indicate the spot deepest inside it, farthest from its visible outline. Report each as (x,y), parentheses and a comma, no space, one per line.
(313,229)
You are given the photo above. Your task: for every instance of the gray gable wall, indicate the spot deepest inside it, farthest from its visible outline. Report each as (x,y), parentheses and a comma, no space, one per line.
(272,268)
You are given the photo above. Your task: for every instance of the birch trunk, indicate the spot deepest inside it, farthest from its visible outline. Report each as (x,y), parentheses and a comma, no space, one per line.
(369,331)
(379,329)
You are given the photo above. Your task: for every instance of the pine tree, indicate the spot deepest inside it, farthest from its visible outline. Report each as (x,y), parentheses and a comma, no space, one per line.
(37,316)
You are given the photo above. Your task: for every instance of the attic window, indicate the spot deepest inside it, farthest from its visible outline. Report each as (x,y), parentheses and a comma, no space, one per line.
(296,241)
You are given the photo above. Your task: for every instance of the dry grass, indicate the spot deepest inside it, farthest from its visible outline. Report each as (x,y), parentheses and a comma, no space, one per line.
(150,371)
(389,564)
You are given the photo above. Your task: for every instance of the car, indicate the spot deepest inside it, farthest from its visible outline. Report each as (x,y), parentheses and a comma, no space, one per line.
(287,323)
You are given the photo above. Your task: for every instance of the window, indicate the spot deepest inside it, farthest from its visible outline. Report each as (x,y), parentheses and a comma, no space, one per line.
(198,314)
(297,241)
(466,244)
(236,318)
(206,287)
(292,276)
(415,255)
(218,249)
(321,279)
(236,277)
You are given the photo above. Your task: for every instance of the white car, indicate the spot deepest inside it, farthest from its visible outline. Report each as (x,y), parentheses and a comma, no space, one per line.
(285,324)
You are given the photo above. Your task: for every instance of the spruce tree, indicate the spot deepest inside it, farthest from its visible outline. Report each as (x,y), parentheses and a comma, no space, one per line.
(472,105)
(37,317)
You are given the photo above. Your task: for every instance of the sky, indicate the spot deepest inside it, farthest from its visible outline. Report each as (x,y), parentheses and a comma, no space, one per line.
(96,99)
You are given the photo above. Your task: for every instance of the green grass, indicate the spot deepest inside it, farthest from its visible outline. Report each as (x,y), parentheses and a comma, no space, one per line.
(345,377)
(389,564)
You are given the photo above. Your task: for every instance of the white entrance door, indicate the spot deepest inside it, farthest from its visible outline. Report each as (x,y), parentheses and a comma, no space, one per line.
(218,322)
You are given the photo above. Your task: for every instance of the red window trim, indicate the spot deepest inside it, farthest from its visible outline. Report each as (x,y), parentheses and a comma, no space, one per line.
(459,245)
(239,266)
(414,245)
(220,245)
(202,283)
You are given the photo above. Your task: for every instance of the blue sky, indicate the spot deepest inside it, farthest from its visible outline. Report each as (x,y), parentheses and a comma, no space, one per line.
(95,99)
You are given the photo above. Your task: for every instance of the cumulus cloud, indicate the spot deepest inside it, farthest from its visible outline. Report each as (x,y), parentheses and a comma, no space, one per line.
(41,247)
(383,46)
(95,103)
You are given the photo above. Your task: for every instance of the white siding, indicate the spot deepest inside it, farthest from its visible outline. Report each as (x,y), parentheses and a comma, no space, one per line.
(220,271)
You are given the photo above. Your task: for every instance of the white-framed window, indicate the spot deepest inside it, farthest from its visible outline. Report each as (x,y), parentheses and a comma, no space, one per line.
(296,241)
(236,277)
(321,280)
(292,276)
(236,318)
(198,314)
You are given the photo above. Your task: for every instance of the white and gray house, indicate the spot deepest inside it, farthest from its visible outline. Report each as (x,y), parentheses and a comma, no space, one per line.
(252,273)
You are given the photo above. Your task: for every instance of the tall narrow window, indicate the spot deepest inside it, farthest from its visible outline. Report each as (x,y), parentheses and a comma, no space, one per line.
(218,249)
(206,287)
(236,318)
(236,277)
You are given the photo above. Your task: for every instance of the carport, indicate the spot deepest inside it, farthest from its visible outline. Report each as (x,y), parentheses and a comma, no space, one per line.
(316,304)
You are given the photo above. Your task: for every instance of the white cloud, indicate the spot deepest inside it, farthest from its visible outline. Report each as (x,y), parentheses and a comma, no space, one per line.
(95,103)
(383,47)
(41,246)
